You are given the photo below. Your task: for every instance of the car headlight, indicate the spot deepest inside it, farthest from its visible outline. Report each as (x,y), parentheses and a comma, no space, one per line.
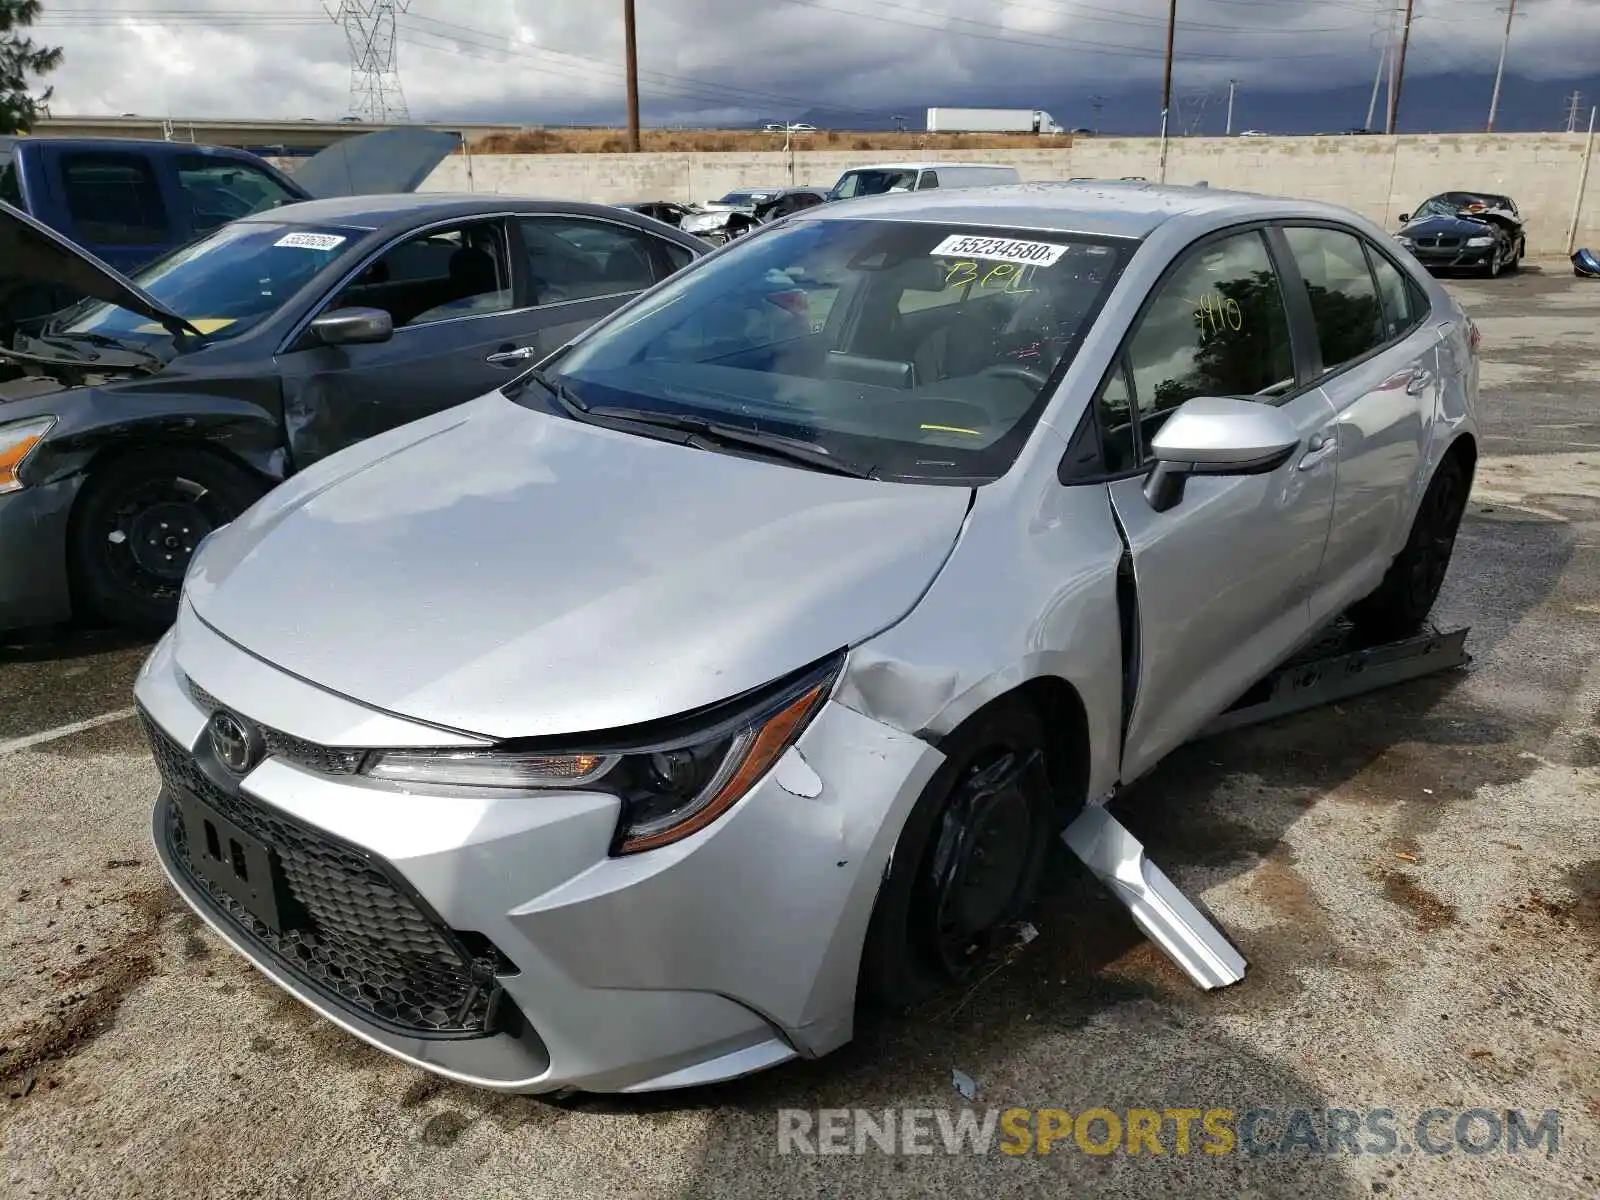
(17,441)
(1404,240)
(671,785)
(1479,242)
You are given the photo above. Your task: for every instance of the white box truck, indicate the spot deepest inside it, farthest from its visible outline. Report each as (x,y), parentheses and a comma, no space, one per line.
(991,120)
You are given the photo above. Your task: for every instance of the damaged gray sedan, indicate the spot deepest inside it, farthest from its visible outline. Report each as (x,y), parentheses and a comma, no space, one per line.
(164,405)
(742,664)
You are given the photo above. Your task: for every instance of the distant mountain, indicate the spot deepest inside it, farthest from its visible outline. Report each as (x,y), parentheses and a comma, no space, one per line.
(1429,104)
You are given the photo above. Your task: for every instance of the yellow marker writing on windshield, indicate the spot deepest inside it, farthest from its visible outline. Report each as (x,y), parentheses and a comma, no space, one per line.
(950,429)
(203,324)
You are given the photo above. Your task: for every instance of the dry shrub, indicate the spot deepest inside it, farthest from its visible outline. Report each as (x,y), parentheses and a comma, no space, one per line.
(727,141)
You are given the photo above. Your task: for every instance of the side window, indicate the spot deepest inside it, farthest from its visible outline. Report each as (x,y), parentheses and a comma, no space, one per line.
(437,276)
(806,200)
(1344,300)
(930,179)
(678,257)
(1216,327)
(1116,421)
(1403,306)
(114,199)
(10,185)
(219,191)
(570,258)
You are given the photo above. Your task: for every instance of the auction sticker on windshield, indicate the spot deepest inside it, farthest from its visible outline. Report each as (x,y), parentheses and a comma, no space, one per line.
(310,241)
(999,249)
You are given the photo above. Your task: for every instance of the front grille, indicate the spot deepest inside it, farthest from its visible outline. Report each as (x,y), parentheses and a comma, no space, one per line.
(1440,241)
(326,760)
(361,937)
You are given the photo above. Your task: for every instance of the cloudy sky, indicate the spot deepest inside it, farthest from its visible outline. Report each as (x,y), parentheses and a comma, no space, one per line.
(712,61)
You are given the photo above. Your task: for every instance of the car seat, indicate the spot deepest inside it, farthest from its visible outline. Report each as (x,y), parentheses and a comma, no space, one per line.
(472,273)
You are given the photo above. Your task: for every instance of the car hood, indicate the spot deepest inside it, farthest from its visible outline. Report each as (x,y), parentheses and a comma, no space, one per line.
(36,255)
(1450,226)
(376,164)
(508,573)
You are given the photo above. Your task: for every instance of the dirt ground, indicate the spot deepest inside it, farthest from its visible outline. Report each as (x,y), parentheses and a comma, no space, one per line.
(1414,878)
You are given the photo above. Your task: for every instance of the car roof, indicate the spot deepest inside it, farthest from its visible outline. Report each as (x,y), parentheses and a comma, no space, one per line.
(928,166)
(1103,208)
(374,212)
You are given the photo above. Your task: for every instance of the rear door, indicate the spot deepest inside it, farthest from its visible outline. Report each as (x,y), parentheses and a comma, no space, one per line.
(579,269)
(1223,578)
(1377,362)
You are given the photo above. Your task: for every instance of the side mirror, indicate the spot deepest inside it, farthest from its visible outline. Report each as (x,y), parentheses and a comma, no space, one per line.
(1404,217)
(1217,435)
(353,327)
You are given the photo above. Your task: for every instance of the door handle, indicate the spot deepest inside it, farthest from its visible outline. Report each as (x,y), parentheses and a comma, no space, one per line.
(1417,382)
(1318,447)
(505,358)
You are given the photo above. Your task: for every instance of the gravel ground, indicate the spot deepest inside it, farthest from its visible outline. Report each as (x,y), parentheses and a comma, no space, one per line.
(1413,876)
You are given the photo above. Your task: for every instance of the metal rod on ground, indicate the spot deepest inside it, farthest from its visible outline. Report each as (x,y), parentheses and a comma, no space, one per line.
(633,75)
(1166,87)
(1499,71)
(1400,70)
(1583,184)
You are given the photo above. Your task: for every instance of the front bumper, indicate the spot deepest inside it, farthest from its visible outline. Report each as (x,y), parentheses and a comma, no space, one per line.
(730,951)
(1452,258)
(34,589)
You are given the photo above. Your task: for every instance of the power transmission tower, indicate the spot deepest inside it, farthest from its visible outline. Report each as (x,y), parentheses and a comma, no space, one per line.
(1399,76)
(369,29)
(1097,103)
(1385,59)
(1500,70)
(1572,112)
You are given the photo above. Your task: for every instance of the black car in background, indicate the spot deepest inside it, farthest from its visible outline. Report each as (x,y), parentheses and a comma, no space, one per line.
(166,403)
(1476,231)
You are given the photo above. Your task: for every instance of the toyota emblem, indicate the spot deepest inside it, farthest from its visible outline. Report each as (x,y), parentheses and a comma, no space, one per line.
(235,745)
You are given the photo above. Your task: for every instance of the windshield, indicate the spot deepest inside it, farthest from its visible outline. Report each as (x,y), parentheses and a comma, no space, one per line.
(743,199)
(1448,204)
(922,351)
(225,283)
(872,183)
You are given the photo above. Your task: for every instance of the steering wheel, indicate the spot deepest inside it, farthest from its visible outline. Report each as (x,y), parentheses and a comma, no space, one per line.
(1016,371)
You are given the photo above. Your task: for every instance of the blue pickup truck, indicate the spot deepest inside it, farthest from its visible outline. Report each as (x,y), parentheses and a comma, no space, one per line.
(129,202)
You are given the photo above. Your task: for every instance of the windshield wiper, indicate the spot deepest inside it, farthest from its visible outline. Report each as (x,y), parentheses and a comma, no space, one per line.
(795,450)
(110,343)
(560,391)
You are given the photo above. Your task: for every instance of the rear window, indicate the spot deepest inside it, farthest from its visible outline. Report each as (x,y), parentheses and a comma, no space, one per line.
(114,199)
(10,182)
(922,350)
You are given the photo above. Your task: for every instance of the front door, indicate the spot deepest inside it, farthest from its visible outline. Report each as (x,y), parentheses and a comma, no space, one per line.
(451,294)
(1223,579)
(1378,358)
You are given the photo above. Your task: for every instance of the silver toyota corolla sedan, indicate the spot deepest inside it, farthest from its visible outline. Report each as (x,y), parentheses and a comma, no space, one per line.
(629,726)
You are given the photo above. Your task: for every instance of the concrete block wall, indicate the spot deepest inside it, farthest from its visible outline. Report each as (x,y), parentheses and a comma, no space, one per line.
(1378,176)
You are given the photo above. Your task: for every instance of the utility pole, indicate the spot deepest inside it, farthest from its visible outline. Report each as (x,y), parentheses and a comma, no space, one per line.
(1400,70)
(1572,112)
(1383,60)
(633,76)
(1166,86)
(1232,84)
(1500,70)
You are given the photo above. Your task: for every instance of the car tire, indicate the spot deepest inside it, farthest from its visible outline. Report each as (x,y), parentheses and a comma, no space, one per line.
(136,524)
(1491,269)
(967,863)
(1402,602)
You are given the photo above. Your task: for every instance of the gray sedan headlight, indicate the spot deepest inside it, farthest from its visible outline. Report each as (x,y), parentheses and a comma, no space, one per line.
(671,785)
(17,441)
(1477,242)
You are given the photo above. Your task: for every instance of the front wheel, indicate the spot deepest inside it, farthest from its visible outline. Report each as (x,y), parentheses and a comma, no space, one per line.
(967,863)
(136,525)
(1404,599)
